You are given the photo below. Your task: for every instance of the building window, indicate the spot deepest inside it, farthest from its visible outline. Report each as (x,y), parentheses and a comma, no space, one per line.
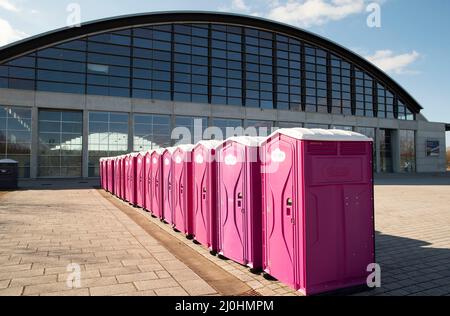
(226,65)
(316,73)
(228,128)
(386,164)
(263,128)
(288,76)
(15,137)
(108,137)
(407,151)
(314,125)
(151,132)
(206,63)
(342,127)
(371,133)
(60,143)
(194,128)
(290,125)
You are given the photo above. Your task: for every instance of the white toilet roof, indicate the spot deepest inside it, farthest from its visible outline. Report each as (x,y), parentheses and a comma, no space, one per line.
(322,134)
(210,144)
(187,147)
(250,141)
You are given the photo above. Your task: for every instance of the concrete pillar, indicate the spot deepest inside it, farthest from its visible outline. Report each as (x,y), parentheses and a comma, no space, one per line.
(395,140)
(85,163)
(378,149)
(34,143)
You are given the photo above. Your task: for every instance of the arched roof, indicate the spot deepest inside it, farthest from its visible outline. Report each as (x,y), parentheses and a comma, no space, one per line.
(120,22)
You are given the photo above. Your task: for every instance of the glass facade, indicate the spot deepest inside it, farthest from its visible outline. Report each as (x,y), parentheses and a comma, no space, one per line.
(371,133)
(60,143)
(207,63)
(407,151)
(228,127)
(151,132)
(15,137)
(386,151)
(196,127)
(108,137)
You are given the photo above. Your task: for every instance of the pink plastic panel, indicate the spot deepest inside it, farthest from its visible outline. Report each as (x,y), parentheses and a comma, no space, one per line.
(182,190)
(202,191)
(338,218)
(167,178)
(148,183)
(280,208)
(140,174)
(231,202)
(156,180)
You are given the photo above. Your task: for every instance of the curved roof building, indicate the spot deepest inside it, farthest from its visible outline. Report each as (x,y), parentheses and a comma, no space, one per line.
(123,84)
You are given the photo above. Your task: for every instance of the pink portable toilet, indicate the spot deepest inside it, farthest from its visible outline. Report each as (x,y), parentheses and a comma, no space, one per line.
(140,179)
(122,176)
(130,173)
(167,187)
(204,193)
(132,168)
(239,200)
(157,184)
(127,177)
(110,173)
(148,181)
(117,176)
(183,189)
(102,174)
(318,204)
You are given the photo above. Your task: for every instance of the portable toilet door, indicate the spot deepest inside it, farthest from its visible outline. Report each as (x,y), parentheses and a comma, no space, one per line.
(182,189)
(157,184)
(318,209)
(133,179)
(105,173)
(148,182)
(205,193)
(102,174)
(122,177)
(167,178)
(117,176)
(239,200)
(127,177)
(140,179)
(110,171)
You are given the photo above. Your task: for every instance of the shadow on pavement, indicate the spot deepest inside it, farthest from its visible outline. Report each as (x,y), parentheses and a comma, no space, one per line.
(411,267)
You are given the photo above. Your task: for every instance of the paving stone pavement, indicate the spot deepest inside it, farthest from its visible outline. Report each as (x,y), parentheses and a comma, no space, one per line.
(41,232)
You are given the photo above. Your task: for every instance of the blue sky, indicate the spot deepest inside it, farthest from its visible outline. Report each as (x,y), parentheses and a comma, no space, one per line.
(412,44)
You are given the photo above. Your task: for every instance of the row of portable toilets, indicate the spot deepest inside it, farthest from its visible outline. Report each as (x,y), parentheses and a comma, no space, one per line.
(298,204)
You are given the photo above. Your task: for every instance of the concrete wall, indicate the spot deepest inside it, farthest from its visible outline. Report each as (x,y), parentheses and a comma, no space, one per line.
(430,131)
(36,99)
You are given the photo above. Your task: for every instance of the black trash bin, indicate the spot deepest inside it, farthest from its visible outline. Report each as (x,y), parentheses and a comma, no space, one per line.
(8,174)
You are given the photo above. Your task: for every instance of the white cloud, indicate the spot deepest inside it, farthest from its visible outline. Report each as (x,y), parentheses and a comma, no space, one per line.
(8,34)
(239,5)
(314,12)
(389,62)
(9,6)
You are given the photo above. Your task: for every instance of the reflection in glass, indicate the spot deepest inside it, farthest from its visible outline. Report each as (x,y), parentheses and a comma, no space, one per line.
(151,132)
(407,151)
(60,143)
(108,137)
(15,137)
